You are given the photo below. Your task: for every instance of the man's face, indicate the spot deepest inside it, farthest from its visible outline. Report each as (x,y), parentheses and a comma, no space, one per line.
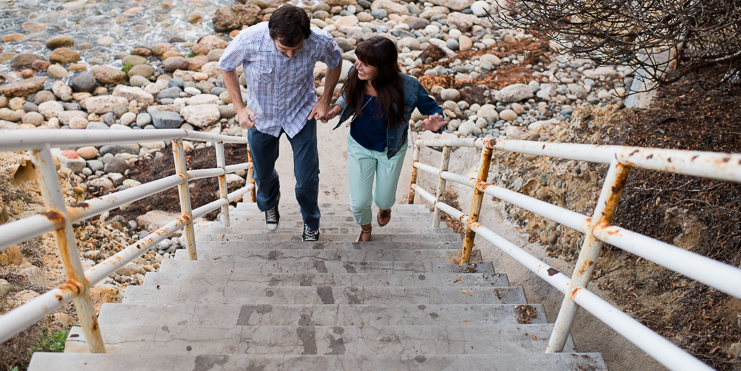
(289,52)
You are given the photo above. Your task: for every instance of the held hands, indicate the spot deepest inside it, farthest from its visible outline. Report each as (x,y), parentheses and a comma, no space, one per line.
(246,117)
(331,114)
(319,111)
(434,122)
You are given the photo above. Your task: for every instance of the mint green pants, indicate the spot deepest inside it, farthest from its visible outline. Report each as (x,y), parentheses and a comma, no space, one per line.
(362,166)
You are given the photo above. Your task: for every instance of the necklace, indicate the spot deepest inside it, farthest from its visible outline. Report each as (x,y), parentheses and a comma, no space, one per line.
(361,109)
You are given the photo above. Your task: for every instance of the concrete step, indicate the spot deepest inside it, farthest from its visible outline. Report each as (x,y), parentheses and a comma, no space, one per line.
(286,235)
(236,293)
(319,314)
(233,362)
(225,266)
(352,230)
(242,254)
(319,340)
(327,279)
(293,206)
(329,245)
(241,216)
(259,224)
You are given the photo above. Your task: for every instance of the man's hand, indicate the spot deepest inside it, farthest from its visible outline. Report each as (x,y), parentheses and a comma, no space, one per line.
(320,110)
(434,122)
(246,117)
(332,113)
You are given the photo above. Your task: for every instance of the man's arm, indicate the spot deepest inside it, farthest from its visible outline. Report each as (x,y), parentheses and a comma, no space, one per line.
(322,106)
(245,115)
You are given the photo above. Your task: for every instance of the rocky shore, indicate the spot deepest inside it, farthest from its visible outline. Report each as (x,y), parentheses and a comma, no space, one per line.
(490,82)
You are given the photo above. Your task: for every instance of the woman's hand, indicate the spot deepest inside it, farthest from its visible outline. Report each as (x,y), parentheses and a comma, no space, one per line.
(434,122)
(331,114)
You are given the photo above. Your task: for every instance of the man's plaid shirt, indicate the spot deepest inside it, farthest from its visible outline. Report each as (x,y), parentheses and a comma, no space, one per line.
(280,90)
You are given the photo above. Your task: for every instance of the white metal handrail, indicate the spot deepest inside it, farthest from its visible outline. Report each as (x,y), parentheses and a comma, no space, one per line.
(597,229)
(59,217)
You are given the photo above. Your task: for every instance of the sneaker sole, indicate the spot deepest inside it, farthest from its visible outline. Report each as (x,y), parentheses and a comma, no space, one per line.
(275,228)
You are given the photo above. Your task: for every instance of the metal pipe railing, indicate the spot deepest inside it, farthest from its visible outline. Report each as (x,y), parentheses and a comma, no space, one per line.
(59,217)
(597,230)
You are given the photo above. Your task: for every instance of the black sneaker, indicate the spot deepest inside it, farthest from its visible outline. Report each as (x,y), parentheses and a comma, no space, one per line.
(272,218)
(309,234)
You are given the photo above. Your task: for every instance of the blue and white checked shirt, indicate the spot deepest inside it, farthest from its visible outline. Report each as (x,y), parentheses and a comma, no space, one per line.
(281,90)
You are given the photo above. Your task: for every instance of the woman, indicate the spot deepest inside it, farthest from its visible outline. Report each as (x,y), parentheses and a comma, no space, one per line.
(382,99)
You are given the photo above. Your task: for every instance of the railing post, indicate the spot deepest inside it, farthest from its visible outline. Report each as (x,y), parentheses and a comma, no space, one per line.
(223,190)
(250,179)
(184,193)
(415,158)
(76,282)
(440,186)
(478,196)
(612,188)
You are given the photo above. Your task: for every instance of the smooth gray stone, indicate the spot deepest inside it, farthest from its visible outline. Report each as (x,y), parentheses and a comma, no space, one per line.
(327,279)
(212,266)
(317,314)
(232,362)
(94,125)
(131,148)
(240,294)
(166,119)
(319,340)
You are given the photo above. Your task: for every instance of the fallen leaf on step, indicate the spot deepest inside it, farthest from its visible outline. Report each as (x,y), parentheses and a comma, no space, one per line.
(456,280)
(217,258)
(466,292)
(222,237)
(240,237)
(534,338)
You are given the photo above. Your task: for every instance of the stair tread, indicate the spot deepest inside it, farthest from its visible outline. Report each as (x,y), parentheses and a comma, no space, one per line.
(328,245)
(338,340)
(294,236)
(210,266)
(326,279)
(158,362)
(234,293)
(246,254)
(320,314)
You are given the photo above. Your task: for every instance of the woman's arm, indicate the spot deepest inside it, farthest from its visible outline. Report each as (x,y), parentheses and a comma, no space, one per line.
(427,106)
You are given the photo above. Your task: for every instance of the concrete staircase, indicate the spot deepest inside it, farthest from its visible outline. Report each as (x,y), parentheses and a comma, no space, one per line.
(257,300)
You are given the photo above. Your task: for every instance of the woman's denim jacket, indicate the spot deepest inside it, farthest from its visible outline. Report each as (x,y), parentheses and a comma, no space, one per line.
(415,96)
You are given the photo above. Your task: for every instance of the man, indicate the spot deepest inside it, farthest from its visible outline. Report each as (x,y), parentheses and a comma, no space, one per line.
(278,58)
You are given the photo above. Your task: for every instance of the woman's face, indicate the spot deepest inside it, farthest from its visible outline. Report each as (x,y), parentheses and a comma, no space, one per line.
(365,72)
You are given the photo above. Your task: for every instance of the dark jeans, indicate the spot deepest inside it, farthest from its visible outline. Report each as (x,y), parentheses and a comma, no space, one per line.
(264,150)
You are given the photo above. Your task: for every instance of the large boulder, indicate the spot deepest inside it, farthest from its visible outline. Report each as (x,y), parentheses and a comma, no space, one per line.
(107,75)
(208,43)
(389,6)
(202,115)
(133,93)
(64,55)
(514,93)
(22,88)
(24,60)
(235,16)
(453,4)
(166,119)
(83,81)
(51,109)
(103,103)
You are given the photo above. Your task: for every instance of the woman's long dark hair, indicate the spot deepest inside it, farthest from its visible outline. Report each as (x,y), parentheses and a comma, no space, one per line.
(380,53)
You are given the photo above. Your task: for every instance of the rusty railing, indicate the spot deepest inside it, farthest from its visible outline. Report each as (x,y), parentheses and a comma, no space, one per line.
(59,217)
(597,229)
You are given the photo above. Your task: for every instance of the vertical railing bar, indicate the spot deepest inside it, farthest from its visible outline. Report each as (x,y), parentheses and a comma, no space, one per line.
(184,193)
(223,191)
(612,188)
(415,158)
(76,282)
(478,196)
(253,195)
(440,186)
